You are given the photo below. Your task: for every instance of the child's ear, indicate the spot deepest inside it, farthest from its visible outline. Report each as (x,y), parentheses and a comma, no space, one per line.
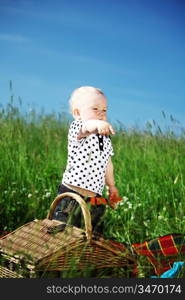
(76,114)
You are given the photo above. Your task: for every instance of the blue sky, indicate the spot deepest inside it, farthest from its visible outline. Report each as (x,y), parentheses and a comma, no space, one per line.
(134,50)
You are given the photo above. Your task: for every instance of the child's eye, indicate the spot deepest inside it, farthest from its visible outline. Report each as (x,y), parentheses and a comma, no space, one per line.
(95,108)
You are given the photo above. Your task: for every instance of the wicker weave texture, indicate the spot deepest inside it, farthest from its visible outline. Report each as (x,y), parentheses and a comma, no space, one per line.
(33,240)
(69,248)
(6,273)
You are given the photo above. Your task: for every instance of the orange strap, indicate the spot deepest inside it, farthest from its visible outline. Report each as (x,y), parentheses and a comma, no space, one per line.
(98,201)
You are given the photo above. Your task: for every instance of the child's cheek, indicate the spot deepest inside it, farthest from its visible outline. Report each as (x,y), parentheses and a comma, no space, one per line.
(93,116)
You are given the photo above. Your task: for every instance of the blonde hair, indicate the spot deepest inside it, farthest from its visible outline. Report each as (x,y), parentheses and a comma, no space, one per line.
(81,94)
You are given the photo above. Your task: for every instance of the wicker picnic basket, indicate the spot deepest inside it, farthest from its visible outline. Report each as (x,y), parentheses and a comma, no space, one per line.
(49,245)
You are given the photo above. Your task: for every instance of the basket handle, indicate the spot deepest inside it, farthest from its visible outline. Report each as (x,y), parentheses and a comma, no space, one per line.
(84,208)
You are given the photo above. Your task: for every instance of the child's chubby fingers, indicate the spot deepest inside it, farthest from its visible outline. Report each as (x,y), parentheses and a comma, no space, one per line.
(112,131)
(103,131)
(105,128)
(107,131)
(114,193)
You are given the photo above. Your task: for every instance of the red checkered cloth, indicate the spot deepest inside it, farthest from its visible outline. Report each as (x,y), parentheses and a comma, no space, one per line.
(163,251)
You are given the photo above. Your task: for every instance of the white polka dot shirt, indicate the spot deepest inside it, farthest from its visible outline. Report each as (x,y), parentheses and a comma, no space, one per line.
(87,159)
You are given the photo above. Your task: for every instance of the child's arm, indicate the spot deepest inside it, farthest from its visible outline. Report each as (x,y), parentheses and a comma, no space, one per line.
(109,180)
(95,126)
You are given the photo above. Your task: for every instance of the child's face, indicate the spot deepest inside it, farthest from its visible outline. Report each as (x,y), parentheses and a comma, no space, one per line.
(95,108)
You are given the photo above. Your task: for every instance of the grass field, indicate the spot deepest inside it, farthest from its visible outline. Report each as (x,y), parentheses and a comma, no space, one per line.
(149,172)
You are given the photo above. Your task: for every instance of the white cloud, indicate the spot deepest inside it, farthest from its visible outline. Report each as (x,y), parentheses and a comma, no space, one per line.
(68,16)
(15,38)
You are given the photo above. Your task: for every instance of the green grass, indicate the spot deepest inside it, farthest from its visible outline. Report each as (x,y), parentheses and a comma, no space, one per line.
(149,173)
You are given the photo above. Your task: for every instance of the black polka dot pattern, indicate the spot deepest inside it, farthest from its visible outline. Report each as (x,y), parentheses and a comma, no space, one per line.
(87,159)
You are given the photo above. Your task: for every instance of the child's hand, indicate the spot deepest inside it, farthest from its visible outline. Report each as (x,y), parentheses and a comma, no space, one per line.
(104,128)
(113,192)
(95,126)
(113,196)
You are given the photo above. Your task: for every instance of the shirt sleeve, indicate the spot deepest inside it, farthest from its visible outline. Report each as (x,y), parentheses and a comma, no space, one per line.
(74,130)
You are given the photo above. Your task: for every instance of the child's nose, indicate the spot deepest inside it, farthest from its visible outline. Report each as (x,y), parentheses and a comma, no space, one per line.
(101,112)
